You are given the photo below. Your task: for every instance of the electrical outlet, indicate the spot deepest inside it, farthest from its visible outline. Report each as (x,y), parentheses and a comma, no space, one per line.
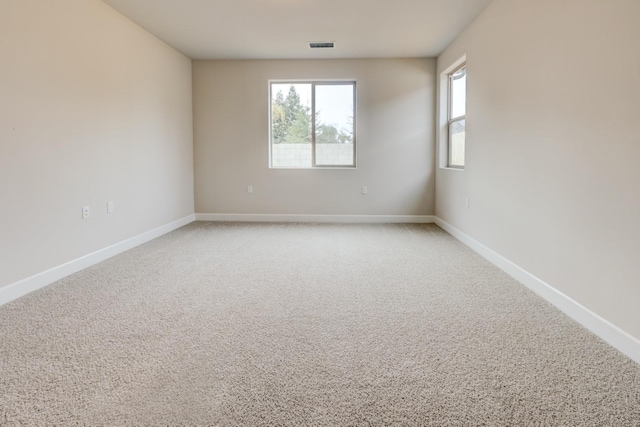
(365,191)
(109,207)
(86,212)
(467,202)
(250,189)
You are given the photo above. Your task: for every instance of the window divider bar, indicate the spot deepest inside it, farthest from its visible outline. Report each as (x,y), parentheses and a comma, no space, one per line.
(457,119)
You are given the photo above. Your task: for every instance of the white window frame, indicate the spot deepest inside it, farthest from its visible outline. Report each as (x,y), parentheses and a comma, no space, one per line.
(314,83)
(452,120)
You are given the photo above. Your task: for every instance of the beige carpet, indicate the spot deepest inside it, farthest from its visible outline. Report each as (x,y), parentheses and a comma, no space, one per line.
(304,324)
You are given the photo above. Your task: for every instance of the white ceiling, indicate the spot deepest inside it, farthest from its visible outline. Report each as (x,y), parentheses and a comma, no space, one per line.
(281,29)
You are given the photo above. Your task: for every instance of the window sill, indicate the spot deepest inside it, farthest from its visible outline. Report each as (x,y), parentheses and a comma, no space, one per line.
(311,169)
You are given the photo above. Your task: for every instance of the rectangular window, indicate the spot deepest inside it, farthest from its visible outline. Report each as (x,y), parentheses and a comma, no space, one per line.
(312,124)
(456,116)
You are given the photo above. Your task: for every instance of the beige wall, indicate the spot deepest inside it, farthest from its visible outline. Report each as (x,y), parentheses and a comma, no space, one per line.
(553,147)
(92,109)
(395,128)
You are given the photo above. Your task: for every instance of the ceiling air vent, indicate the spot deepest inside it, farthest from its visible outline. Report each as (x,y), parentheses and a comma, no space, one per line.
(321,45)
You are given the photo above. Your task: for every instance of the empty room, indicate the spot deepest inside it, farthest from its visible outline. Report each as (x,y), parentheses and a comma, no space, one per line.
(269,212)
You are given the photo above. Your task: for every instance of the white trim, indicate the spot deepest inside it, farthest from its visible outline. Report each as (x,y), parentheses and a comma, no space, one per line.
(405,219)
(612,334)
(40,280)
(621,340)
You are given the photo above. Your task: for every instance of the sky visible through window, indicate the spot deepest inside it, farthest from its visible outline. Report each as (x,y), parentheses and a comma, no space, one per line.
(334,103)
(459,94)
(334,106)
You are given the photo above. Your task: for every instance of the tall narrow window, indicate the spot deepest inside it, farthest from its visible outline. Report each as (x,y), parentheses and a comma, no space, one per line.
(456,116)
(312,124)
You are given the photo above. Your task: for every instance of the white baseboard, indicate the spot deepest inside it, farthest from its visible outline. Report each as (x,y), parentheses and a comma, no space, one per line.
(615,336)
(405,219)
(40,280)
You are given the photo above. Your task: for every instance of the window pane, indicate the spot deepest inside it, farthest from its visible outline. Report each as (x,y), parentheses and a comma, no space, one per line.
(334,125)
(291,125)
(456,146)
(459,93)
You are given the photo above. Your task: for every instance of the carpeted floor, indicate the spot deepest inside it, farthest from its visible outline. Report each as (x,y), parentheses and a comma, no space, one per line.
(304,324)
